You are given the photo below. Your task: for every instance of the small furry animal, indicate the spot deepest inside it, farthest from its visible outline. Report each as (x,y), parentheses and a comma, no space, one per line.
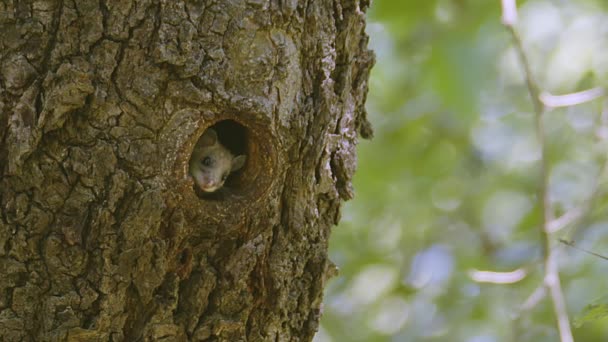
(211,162)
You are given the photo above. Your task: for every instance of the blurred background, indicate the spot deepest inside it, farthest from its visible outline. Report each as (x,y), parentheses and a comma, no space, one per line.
(448,186)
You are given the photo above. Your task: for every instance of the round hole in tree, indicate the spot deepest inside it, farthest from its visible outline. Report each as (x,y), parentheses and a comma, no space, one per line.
(231,161)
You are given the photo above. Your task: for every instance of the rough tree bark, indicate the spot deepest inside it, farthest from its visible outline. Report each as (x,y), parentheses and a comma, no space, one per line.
(102,236)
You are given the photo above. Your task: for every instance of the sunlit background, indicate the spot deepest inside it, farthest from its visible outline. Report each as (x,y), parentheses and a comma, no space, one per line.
(448,186)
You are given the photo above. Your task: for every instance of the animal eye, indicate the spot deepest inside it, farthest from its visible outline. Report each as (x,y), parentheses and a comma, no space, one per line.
(207,161)
(224,176)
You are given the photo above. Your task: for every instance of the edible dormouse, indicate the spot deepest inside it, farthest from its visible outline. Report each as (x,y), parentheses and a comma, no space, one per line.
(211,163)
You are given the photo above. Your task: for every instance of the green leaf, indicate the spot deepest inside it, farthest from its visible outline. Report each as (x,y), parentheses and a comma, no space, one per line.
(593,312)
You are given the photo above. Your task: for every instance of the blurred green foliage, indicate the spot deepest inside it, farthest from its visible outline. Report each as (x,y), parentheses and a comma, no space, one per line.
(449,184)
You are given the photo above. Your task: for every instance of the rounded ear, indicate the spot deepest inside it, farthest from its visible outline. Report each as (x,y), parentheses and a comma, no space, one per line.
(238,162)
(209,138)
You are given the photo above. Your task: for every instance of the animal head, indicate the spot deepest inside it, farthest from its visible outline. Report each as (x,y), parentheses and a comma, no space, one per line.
(211,162)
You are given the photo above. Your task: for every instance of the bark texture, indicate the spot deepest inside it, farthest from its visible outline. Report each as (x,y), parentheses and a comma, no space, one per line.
(102,237)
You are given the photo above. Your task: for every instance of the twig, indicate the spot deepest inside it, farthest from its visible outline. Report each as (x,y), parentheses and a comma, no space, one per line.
(530,303)
(569,217)
(551,279)
(571,244)
(534,298)
(509,12)
(557,296)
(497,277)
(572,99)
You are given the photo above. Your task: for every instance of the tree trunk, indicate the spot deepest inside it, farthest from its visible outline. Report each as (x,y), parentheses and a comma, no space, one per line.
(103,236)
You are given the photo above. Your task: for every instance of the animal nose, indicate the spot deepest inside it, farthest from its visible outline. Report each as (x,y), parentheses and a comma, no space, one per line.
(210,184)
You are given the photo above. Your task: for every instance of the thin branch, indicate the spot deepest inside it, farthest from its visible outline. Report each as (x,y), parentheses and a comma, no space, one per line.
(551,279)
(530,303)
(535,298)
(533,88)
(571,244)
(563,221)
(572,99)
(497,277)
(557,296)
(534,91)
(509,12)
